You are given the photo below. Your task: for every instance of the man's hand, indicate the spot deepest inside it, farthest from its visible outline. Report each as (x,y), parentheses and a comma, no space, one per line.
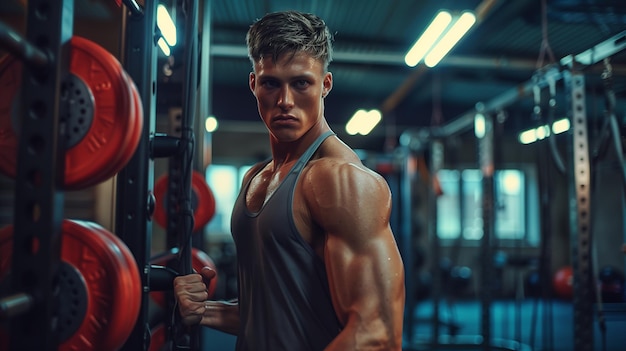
(192,295)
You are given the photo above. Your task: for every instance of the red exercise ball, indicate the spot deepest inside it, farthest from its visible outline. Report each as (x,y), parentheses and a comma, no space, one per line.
(563,282)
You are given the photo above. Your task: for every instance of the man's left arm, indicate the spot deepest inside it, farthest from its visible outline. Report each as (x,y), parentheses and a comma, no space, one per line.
(363,263)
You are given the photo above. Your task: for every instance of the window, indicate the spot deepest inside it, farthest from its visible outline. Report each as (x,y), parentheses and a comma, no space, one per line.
(225,182)
(459,208)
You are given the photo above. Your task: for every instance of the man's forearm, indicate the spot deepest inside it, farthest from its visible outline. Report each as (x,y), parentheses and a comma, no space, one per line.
(222,315)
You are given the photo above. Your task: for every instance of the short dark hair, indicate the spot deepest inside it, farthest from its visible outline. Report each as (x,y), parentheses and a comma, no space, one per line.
(291,32)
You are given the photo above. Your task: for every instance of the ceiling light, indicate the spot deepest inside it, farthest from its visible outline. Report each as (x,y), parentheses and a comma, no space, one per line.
(528,136)
(447,42)
(210,124)
(166,25)
(362,122)
(480,128)
(542,132)
(439,38)
(560,126)
(428,38)
(164,47)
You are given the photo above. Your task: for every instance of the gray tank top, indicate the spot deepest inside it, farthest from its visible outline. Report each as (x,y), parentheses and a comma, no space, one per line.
(284,299)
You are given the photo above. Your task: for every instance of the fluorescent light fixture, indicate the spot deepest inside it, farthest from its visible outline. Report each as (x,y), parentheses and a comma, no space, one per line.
(447,42)
(479,126)
(560,126)
(210,124)
(164,47)
(363,122)
(428,38)
(439,38)
(352,127)
(166,25)
(527,136)
(542,132)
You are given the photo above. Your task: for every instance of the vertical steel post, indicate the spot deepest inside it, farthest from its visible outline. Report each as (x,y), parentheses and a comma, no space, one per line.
(580,214)
(405,242)
(134,198)
(179,232)
(436,163)
(39,197)
(487,167)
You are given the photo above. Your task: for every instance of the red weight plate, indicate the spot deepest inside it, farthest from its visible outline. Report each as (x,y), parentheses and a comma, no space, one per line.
(160,195)
(130,279)
(203,201)
(90,160)
(104,76)
(199,260)
(205,210)
(131,141)
(10,78)
(157,338)
(111,285)
(135,132)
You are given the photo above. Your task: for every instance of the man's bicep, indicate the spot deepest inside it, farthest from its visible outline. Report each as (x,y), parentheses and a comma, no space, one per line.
(362,259)
(366,281)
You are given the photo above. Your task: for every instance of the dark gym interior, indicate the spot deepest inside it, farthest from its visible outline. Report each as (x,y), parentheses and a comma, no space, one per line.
(508,243)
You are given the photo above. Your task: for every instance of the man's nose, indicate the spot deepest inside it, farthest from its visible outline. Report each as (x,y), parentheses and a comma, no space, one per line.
(285,98)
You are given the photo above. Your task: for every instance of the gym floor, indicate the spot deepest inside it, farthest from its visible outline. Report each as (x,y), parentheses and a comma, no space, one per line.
(528,325)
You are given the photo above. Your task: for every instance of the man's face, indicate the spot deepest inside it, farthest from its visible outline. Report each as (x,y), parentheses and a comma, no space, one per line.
(290,94)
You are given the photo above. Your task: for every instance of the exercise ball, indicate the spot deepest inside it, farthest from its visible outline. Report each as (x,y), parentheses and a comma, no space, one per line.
(562,282)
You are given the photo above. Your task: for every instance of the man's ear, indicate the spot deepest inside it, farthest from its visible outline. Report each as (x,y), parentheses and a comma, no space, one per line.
(252,81)
(327,84)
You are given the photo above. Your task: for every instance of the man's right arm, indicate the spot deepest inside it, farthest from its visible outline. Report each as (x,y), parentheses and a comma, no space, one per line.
(195,308)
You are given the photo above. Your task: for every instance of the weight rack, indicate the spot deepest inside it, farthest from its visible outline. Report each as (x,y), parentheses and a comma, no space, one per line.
(134,199)
(33,290)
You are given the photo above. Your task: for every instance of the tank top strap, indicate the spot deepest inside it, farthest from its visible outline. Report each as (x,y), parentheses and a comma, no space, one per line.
(306,156)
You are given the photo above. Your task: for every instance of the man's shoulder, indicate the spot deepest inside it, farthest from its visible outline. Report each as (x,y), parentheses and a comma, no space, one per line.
(330,169)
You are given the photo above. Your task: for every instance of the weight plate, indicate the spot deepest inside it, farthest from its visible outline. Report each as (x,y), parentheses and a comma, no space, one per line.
(97,82)
(130,279)
(108,134)
(202,201)
(10,78)
(112,287)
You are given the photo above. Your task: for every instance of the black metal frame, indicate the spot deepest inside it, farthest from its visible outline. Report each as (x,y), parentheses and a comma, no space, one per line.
(39,193)
(134,198)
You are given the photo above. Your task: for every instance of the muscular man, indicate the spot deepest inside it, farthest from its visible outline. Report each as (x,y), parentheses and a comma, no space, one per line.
(318,265)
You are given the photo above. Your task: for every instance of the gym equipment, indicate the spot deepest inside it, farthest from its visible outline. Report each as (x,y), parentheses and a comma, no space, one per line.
(199,259)
(99,287)
(158,332)
(100,108)
(562,282)
(611,282)
(158,337)
(202,201)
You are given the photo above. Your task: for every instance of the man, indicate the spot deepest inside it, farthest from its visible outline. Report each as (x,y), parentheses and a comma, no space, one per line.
(318,265)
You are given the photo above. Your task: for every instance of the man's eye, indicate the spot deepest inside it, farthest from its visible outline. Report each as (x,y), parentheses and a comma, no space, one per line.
(269,84)
(302,83)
